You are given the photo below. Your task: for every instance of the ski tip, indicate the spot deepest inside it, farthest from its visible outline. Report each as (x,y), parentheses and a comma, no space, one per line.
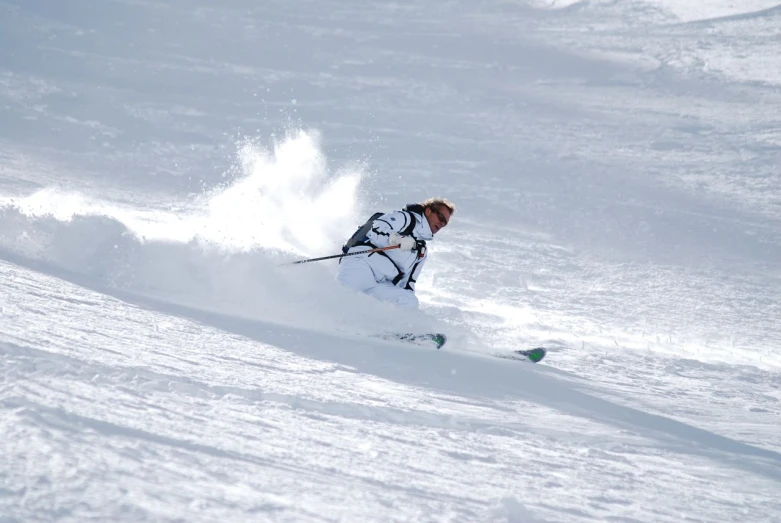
(534,355)
(425,339)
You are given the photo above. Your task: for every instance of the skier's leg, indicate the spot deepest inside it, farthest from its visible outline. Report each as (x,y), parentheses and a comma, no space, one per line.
(396,295)
(356,274)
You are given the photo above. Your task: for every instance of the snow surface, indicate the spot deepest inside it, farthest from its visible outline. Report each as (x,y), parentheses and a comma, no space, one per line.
(616,171)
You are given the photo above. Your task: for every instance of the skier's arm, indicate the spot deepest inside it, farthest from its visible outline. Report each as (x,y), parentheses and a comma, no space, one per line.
(386,226)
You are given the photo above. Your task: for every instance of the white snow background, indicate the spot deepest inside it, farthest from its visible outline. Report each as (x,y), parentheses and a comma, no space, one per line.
(616,168)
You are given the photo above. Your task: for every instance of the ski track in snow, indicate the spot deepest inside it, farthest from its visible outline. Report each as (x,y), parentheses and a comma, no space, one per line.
(615,167)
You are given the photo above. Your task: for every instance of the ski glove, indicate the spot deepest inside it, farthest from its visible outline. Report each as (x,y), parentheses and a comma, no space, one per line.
(405,243)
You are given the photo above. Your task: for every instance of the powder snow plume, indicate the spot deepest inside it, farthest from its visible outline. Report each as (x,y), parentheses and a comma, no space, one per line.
(223,251)
(283,198)
(278,198)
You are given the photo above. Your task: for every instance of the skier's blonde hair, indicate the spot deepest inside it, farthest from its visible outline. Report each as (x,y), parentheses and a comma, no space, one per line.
(436,204)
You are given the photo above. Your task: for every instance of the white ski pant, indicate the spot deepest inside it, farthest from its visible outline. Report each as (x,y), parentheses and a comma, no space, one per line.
(357,274)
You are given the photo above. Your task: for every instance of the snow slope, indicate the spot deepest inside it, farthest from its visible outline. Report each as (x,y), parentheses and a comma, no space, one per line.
(615,168)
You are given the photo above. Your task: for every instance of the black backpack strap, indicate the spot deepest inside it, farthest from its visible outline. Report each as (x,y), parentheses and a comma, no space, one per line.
(406,231)
(410,210)
(421,255)
(399,272)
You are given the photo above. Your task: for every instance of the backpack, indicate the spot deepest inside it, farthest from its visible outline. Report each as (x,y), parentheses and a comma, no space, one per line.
(359,235)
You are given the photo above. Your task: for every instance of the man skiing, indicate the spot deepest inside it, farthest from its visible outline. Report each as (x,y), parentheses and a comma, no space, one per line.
(390,275)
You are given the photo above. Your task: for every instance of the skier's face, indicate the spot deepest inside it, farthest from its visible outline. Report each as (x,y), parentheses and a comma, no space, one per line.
(437,218)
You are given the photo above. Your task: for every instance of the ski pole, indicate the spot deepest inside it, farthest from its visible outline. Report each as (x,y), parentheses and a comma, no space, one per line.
(342,255)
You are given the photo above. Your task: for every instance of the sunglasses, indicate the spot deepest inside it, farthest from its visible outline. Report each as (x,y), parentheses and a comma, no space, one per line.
(441,217)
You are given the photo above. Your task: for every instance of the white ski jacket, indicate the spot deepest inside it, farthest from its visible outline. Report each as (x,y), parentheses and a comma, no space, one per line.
(401,268)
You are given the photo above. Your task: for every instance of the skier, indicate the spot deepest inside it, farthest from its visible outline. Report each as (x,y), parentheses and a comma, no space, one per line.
(391,275)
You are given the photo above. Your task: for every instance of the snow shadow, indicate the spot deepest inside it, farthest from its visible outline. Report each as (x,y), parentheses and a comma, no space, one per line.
(453,371)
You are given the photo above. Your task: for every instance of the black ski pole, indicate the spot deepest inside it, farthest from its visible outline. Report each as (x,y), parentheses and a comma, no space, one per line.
(341,255)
